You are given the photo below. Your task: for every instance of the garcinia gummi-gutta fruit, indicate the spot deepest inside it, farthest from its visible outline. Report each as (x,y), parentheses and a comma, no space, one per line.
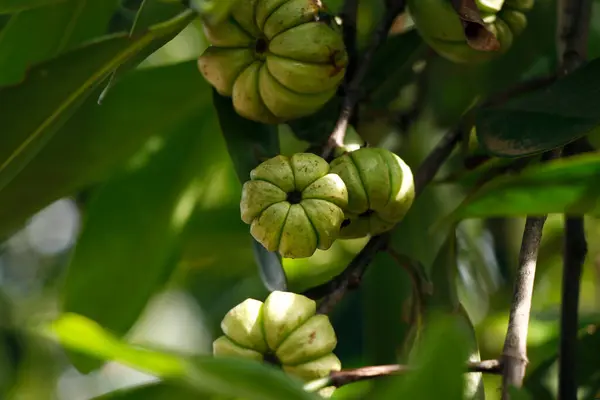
(284,330)
(441,28)
(294,205)
(380,190)
(277,59)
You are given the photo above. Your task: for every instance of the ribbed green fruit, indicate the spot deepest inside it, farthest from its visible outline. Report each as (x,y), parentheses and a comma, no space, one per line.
(284,330)
(380,190)
(441,28)
(294,205)
(278,59)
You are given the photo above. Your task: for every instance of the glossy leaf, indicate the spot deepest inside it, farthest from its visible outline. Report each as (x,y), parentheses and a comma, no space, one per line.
(49,31)
(561,186)
(53,91)
(271,268)
(222,376)
(11,6)
(97,139)
(133,223)
(544,119)
(250,143)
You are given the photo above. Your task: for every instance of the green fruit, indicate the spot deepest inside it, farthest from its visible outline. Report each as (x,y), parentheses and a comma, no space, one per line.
(285,330)
(441,28)
(294,205)
(380,190)
(277,59)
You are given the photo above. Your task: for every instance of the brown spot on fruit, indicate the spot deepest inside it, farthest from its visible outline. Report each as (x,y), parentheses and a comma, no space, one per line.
(312,337)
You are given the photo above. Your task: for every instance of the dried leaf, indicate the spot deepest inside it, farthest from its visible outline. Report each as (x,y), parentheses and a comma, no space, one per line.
(477,34)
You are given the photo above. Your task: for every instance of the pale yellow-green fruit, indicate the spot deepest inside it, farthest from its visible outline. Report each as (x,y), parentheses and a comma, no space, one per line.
(439,25)
(380,190)
(294,205)
(285,330)
(277,59)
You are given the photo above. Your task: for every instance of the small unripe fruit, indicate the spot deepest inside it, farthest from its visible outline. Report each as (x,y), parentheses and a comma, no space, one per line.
(286,330)
(380,190)
(294,205)
(278,59)
(440,26)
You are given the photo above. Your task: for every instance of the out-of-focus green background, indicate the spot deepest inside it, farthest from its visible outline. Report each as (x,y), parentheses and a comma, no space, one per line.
(209,247)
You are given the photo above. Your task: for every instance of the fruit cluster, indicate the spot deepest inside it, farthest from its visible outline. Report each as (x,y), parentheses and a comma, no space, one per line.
(440,26)
(301,203)
(284,330)
(277,59)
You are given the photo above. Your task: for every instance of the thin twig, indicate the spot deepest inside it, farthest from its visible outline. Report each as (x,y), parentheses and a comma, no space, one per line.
(333,291)
(345,377)
(572,31)
(353,92)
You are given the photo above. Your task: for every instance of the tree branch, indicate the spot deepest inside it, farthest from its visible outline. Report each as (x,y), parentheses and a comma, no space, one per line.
(573,29)
(514,354)
(333,291)
(345,377)
(353,91)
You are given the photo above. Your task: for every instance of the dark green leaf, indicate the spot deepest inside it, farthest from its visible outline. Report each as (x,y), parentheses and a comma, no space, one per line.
(133,223)
(544,119)
(317,127)
(250,143)
(97,139)
(11,6)
(270,267)
(48,31)
(393,67)
(53,91)
(223,376)
(561,186)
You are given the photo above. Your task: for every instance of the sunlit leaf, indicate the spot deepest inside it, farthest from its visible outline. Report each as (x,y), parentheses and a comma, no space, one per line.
(224,376)
(561,186)
(133,223)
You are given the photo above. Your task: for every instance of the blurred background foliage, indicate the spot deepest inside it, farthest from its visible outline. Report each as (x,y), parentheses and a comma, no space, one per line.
(142,192)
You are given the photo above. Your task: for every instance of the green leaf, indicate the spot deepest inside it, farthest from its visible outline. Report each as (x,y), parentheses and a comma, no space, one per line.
(393,67)
(133,223)
(48,31)
(544,119)
(11,6)
(53,91)
(250,143)
(97,139)
(153,391)
(216,375)
(431,379)
(317,127)
(270,267)
(562,186)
